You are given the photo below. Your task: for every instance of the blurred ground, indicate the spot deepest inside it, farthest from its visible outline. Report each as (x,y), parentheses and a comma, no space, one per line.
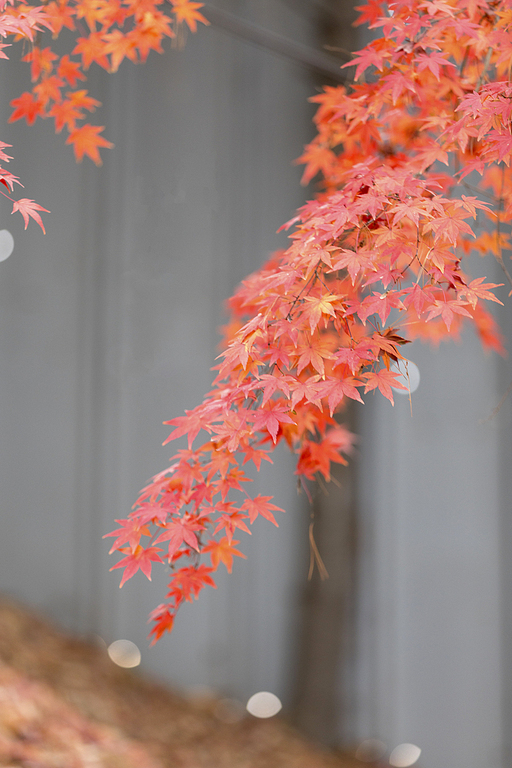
(65,704)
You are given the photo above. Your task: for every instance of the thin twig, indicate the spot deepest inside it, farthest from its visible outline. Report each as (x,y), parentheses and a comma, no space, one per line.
(315,558)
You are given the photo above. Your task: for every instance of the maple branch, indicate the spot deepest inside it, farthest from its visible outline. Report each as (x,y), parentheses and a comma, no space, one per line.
(313,276)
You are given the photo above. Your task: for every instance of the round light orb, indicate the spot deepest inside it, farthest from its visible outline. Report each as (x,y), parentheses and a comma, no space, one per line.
(264,704)
(124,653)
(370,750)
(409,376)
(6,244)
(404,755)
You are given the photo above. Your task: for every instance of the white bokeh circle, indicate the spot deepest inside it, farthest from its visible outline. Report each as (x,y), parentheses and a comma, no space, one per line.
(264,704)
(6,244)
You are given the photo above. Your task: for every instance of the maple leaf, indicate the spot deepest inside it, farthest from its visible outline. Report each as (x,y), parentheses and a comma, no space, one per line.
(271,417)
(164,618)
(61,15)
(85,141)
(188,582)
(223,551)
(313,353)
(370,12)
(336,389)
(118,46)
(433,61)
(256,456)
(261,506)
(66,114)
(380,304)
(180,530)
(92,48)
(447,309)
(368,57)
(187,11)
(26,106)
(131,530)
(189,425)
(309,390)
(384,380)
(230,521)
(29,209)
(70,70)
(477,289)
(49,89)
(354,262)
(449,226)
(41,61)
(318,306)
(139,559)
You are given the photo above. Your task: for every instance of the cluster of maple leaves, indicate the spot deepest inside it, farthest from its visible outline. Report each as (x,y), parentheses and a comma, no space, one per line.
(99,31)
(414,159)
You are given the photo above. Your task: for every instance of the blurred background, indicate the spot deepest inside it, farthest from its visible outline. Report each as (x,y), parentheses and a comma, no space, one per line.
(109,326)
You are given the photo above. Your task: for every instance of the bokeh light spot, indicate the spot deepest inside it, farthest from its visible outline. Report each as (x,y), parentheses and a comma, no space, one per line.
(6,244)
(409,376)
(404,755)
(124,653)
(264,704)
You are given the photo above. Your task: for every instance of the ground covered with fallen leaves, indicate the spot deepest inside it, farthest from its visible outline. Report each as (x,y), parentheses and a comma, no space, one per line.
(65,704)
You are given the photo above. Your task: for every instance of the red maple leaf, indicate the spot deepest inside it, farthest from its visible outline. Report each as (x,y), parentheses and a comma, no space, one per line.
(223,551)
(189,581)
(131,530)
(140,558)
(164,618)
(180,530)
(28,208)
(270,417)
(260,506)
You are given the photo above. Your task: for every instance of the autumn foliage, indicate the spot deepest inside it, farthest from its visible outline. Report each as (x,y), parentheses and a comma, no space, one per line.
(413,166)
(414,175)
(103,32)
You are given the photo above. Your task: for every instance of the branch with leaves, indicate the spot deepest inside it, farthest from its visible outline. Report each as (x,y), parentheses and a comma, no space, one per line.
(108,31)
(377,259)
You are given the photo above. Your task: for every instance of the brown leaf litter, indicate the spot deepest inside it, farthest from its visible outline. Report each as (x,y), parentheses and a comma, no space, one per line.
(65,704)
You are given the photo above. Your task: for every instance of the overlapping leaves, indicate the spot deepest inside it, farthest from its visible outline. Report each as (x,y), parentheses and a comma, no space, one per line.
(375,260)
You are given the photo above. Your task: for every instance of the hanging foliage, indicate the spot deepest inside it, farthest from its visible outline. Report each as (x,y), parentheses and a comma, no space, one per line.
(414,162)
(97,31)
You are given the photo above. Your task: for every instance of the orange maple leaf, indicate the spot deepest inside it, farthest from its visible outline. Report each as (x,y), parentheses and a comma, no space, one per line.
(120,46)
(41,61)
(86,141)
(70,70)
(61,15)
(187,11)
(66,114)
(223,550)
(92,48)
(26,106)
